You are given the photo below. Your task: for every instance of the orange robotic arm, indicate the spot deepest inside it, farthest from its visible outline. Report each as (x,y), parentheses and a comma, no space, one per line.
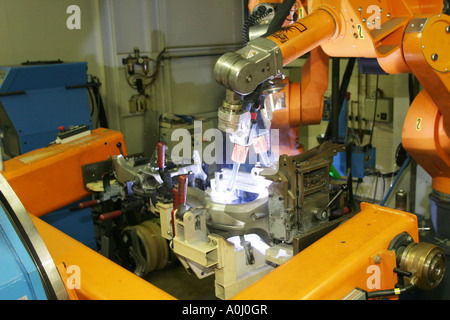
(404,36)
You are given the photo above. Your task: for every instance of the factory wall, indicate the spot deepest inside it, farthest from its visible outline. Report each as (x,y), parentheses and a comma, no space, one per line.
(37,31)
(192,33)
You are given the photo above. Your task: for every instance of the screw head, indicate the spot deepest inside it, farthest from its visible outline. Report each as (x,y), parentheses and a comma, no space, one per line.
(377,259)
(434,57)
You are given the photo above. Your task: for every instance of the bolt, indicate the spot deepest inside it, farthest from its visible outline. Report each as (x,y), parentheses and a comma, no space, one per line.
(377,259)
(447,29)
(434,57)
(249,78)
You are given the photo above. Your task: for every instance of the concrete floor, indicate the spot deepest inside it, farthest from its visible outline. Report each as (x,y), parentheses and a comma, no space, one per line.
(176,281)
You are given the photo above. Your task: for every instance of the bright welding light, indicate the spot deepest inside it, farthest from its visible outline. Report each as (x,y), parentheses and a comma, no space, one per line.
(254,239)
(245,182)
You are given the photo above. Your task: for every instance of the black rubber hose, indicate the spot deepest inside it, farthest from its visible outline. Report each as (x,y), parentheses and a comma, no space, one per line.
(387,293)
(280,17)
(251,21)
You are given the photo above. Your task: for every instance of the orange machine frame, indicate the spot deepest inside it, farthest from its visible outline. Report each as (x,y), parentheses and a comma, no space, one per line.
(329,269)
(50,178)
(340,261)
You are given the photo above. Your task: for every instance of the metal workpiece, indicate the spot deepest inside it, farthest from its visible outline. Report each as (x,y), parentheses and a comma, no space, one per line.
(242,71)
(228,220)
(145,175)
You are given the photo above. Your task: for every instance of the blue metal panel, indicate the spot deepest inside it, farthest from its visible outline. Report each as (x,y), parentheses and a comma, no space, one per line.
(43,102)
(363,158)
(76,223)
(39,99)
(19,278)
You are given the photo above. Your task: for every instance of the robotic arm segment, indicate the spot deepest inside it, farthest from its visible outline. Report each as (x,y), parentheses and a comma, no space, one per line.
(263,58)
(426,132)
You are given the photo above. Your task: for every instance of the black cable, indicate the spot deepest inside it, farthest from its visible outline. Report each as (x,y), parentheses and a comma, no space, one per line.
(333,133)
(256,16)
(98,102)
(374,112)
(342,92)
(387,293)
(281,15)
(92,101)
(150,78)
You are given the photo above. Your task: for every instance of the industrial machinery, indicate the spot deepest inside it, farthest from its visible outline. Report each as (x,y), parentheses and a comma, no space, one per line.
(142,224)
(41,102)
(400,37)
(286,229)
(55,93)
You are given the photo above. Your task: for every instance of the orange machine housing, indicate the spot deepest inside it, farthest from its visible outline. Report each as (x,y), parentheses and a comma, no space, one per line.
(354,255)
(50,178)
(329,269)
(408,36)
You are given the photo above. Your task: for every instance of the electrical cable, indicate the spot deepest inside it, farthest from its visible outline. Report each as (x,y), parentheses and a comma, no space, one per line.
(356,190)
(281,15)
(374,112)
(254,18)
(405,164)
(375,192)
(387,293)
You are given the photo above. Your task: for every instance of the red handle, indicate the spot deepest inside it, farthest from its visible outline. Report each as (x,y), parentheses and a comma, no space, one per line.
(182,187)
(110,215)
(88,204)
(175,198)
(161,155)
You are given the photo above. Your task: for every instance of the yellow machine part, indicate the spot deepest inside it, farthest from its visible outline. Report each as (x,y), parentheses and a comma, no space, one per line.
(50,178)
(100,278)
(341,261)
